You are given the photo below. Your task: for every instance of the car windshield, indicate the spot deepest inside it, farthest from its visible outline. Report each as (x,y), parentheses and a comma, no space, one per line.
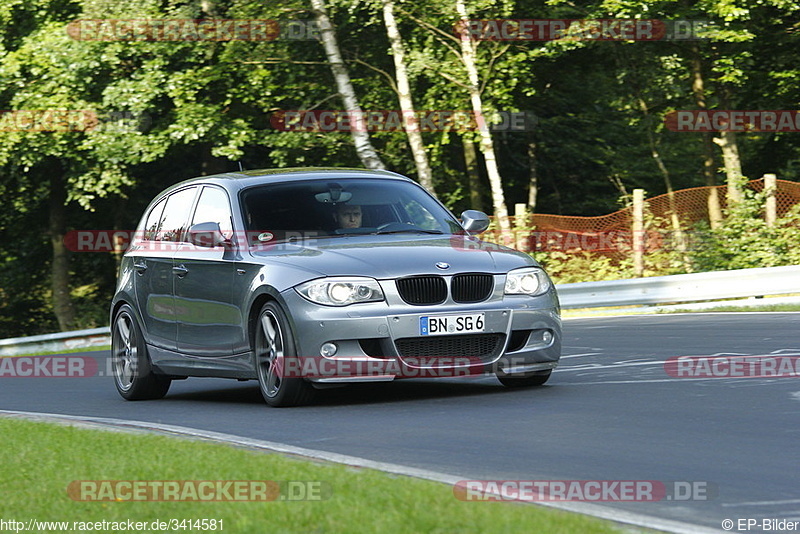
(317,208)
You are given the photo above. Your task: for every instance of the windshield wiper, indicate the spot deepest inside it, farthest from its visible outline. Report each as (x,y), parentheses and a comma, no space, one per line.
(408,231)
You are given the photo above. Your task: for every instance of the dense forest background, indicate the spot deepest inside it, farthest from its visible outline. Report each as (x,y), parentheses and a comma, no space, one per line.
(172,110)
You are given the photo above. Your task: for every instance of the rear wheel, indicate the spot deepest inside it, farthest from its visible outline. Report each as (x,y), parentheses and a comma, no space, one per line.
(537,378)
(133,374)
(274,346)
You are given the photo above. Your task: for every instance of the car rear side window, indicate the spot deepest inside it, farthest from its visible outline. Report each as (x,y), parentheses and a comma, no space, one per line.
(176,215)
(213,206)
(155,221)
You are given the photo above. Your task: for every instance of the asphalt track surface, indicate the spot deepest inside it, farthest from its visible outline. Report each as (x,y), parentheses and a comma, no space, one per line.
(610,412)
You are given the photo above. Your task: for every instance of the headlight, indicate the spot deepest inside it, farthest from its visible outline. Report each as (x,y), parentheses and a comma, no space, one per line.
(527,281)
(341,291)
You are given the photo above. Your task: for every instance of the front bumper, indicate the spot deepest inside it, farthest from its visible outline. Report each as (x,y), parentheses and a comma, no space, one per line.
(381,341)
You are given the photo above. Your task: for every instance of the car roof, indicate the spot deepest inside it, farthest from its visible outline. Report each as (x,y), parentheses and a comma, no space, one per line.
(235,181)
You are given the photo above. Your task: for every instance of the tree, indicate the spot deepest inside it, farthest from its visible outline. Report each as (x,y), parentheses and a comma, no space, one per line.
(468,57)
(410,124)
(366,152)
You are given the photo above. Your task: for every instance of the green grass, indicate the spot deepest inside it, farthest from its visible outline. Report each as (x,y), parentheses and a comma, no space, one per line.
(39,460)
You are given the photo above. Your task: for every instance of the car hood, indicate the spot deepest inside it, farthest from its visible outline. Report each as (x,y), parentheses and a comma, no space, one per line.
(393,256)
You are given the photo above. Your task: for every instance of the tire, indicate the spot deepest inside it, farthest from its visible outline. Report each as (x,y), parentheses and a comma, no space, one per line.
(130,362)
(524,381)
(273,346)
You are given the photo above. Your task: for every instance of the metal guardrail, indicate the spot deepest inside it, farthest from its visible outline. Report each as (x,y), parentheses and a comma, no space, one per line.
(60,341)
(680,288)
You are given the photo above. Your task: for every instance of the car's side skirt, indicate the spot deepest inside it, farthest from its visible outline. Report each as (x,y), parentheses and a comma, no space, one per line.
(177,364)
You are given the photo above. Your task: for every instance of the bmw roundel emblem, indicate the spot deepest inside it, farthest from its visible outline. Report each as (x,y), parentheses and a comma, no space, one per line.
(442,265)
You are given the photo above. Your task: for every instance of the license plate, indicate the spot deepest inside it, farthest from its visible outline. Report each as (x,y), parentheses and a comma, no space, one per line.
(436,325)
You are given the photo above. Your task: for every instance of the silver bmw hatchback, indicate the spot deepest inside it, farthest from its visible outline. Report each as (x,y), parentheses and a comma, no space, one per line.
(305,279)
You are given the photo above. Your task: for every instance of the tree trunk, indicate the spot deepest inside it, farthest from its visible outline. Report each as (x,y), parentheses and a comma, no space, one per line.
(473,176)
(366,152)
(533,176)
(486,141)
(637,214)
(710,173)
(709,169)
(733,165)
(62,302)
(410,123)
(730,158)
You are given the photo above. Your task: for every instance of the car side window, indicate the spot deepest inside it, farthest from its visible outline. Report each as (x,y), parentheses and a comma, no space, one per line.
(213,206)
(154,221)
(176,214)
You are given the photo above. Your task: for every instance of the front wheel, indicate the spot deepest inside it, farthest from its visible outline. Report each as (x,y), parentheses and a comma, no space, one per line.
(274,346)
(537,378)
(133,374)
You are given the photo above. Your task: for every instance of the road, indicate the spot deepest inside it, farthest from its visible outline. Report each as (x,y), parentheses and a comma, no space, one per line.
(610,412)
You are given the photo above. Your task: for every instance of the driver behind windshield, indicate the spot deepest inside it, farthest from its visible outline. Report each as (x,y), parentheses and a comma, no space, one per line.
(348,216)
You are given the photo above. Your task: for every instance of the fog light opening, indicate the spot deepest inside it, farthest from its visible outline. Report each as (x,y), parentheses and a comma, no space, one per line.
(328,349)
(547,336)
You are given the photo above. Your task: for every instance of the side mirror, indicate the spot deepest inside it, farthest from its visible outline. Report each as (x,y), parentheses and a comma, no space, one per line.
(474,221)
(206,234)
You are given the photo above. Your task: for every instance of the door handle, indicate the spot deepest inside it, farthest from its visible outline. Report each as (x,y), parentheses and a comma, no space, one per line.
(140,267)
(180,270)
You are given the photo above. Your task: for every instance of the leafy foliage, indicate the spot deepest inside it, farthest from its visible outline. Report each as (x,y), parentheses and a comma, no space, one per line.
(745,240)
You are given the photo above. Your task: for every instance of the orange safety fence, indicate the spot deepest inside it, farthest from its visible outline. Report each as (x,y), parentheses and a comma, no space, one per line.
(611,235)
